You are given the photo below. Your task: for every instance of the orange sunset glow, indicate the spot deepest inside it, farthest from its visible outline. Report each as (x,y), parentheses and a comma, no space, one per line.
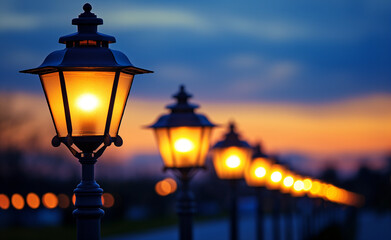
(359,126)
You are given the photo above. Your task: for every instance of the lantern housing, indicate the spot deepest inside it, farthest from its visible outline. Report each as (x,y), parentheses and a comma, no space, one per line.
(256,172)
(183,136)
(86,86)
(231,155)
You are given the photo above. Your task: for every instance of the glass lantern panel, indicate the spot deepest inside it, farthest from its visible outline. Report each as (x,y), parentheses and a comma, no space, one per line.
(164,146)
(124,84)
(52,87)
(256,172)
(89,94)
(186,143)
(231,162)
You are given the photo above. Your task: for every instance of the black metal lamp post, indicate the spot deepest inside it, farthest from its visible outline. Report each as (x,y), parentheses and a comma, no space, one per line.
(255,175)
(231,157)
(183,138)
(86,87)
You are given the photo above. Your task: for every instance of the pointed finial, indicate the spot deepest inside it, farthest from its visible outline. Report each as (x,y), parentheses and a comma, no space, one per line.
(232,126)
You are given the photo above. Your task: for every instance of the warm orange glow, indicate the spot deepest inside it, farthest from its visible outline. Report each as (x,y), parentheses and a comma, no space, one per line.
(107,200)
(87,102)
(89,95)
(162,188)
(4,202)
(231,162)
(63,200)
(183,145)
(180,146)
(288,181)
(307,184)
(172,183)
(275,176)
(166,186)
(256,173)
(32,200)
(74,199)
(260,172)
(49,200)
(299,185)
(362,125)
(17,201)
(315,189)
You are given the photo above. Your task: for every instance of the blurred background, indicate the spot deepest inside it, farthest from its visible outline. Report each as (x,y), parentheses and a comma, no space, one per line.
(310,80)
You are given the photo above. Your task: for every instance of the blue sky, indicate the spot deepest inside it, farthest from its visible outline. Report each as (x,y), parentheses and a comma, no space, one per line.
(266,51)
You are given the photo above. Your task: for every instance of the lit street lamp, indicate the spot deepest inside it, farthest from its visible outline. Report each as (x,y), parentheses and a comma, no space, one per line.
(274,183)
(256,175)
(231,157)
(86,87)
(183,138)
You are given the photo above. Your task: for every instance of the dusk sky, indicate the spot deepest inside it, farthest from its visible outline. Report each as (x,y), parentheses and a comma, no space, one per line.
(310,77)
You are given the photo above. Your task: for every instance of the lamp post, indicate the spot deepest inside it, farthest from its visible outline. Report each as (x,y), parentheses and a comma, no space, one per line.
(183,138)
(273,183)
(86,87)
(255,175)
(231,157)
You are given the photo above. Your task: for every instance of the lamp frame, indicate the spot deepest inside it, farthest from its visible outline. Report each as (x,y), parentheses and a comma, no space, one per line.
(87,50)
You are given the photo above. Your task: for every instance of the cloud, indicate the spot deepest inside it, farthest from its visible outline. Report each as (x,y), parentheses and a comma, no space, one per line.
(254,74)
(266,27)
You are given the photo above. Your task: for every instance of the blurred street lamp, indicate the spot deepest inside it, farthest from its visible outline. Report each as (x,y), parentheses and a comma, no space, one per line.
(231,157)
(86,87)
(255,175)
(274,183)
(183,138)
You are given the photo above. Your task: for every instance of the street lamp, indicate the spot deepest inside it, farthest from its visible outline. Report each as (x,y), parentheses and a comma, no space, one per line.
(255,175)
(183,138)
(273,183)
(86,87)
(231,157)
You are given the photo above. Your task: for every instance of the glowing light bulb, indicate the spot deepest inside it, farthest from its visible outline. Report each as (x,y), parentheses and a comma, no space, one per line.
(232,161)
(288,181)
(87,102)
(260,172)
(183,145)
(299,185)
(307,184)
(276,177)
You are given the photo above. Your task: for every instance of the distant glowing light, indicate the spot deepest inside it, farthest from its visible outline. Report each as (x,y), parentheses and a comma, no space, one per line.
(183,145)
(4,202)
(63,200)
(299,185)
(107,200)
(276,176)
(232,161)
(288,181)
(49,200)
(17,201)
(307,184)
(260,172)
(166,186)
(32,200)
(315,189)
(87,102)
